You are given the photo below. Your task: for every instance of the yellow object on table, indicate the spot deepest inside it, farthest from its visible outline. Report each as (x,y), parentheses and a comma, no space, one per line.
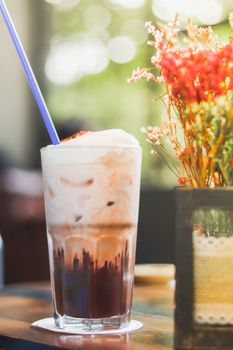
(154,273)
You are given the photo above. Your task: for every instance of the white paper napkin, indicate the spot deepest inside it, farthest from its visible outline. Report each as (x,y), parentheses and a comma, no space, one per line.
(48,324)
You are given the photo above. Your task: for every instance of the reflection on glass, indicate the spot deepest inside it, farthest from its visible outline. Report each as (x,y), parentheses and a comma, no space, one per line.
(213,222)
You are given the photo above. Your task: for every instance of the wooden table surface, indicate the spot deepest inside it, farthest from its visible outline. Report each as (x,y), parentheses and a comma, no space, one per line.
(20,305)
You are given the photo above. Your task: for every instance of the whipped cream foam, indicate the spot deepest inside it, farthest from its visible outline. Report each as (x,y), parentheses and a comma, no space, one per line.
(111,137)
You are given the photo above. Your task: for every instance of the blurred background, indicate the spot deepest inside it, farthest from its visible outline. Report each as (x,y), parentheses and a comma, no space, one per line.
(82,52)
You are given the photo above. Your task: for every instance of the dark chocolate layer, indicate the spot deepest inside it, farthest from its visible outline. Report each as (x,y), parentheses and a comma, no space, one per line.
(89,289)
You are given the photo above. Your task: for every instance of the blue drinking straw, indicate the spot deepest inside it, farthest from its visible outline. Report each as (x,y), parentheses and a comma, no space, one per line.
(29,74)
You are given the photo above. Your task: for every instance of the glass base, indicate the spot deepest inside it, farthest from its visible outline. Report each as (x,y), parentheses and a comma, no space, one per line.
(91,324)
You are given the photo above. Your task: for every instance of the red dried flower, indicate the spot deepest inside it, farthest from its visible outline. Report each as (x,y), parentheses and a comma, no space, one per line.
(194,76)
(183,180)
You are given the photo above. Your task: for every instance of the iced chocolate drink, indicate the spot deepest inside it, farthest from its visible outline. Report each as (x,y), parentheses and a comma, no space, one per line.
(91,188)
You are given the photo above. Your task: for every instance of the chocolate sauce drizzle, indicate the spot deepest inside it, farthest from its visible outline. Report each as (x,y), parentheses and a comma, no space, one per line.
(89,290)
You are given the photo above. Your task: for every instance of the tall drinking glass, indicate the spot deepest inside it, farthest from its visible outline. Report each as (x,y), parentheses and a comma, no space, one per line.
(91,203)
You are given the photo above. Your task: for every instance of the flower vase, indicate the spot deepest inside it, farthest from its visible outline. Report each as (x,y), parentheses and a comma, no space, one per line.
(204,268)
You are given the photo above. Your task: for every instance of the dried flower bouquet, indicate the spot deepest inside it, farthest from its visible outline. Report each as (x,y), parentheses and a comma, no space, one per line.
(197,76)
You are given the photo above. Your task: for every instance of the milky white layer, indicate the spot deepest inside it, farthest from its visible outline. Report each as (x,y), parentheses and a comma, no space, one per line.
(86,183)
